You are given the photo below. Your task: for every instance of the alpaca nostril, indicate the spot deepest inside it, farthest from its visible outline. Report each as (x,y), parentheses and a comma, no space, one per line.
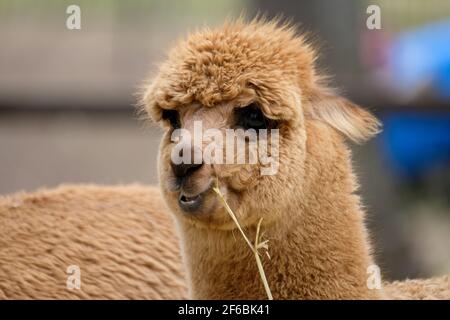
(186,160)
(183,169)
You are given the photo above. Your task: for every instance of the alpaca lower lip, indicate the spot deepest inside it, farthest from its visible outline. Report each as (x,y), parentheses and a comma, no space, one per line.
(190,204)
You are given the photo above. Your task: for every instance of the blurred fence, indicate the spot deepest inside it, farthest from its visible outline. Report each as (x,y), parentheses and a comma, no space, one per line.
(45,65)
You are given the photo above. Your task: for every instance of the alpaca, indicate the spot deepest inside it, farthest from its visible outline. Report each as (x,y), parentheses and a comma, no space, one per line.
(122,251)
(262,75)
(123,239)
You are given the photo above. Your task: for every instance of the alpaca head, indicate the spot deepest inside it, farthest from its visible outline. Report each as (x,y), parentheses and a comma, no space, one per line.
(248,76)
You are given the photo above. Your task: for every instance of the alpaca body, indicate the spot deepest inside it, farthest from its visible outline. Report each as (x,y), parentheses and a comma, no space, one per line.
(419,289)
(120,237)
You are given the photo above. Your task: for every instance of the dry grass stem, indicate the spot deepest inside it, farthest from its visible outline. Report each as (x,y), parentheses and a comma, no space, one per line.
(258,245)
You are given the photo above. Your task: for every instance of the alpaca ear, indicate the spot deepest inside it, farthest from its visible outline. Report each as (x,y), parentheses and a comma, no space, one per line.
(147,103)
(351,120)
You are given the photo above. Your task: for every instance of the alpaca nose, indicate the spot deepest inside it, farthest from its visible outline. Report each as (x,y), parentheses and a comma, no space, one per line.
(186,159)
(184,169)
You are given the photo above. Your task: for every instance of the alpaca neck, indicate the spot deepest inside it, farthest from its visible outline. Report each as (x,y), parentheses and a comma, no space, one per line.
(305,263)
(319,250)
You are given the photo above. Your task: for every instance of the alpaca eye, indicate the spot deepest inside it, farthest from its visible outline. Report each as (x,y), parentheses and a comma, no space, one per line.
(250,117)
(173,118)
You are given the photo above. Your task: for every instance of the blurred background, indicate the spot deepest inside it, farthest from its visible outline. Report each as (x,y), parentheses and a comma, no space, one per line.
(67,101)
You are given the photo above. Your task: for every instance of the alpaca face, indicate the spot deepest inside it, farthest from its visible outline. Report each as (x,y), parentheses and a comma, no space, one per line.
(257,76)
(249,185)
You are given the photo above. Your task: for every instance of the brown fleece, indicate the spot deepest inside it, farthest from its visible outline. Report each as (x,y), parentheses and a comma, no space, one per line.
(423,289)
(121,238)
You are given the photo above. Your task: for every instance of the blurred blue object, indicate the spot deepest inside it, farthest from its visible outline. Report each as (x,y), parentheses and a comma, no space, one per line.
(421,57)
(416,141)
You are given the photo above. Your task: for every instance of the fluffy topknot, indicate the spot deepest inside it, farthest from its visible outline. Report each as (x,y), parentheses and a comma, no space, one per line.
(215,65)
(262,61)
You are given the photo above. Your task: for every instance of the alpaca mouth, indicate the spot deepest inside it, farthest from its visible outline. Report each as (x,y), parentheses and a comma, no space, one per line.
(191,199)
(190,203)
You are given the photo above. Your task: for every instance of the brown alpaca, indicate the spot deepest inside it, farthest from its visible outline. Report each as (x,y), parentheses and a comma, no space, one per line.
(123,251)
(313,218)
(123,239)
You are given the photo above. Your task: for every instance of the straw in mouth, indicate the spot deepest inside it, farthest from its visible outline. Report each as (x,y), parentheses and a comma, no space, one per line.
(254,248)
